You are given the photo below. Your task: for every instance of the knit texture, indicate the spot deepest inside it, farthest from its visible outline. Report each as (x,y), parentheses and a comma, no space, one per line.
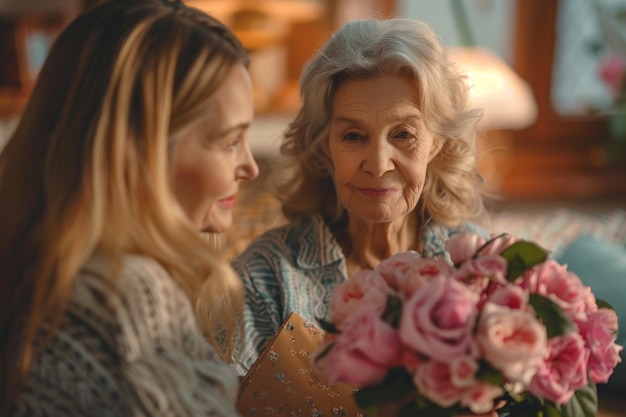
(129,348)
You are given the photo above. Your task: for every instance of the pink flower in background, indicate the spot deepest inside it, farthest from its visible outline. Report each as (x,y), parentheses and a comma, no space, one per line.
(438,319)
(599,332)
(366,288)
(362,353)
(513,341)
(613,72)
(563,369)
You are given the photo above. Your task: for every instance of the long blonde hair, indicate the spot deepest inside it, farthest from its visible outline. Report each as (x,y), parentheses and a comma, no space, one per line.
(364,48)
(87,168)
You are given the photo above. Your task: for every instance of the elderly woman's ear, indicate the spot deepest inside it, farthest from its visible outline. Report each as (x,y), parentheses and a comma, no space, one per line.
(436,148)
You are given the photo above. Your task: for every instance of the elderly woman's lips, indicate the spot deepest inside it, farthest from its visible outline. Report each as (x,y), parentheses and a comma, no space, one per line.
(377,192)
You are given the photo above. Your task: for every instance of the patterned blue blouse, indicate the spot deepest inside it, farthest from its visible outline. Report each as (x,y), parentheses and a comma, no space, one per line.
(295,268)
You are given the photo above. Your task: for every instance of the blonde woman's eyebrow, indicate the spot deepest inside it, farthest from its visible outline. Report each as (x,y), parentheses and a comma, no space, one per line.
(235,128)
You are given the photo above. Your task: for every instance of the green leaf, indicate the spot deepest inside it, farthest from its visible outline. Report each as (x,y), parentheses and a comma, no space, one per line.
(553,410)
(584,402)
(551,315)
(393,311)
(430,409)
(603,304)
(521,256)
(327,326)
(397,386)
(488,373)
(522,405)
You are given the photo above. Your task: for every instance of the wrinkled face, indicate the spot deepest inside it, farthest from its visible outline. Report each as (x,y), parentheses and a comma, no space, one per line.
(213,156)
(379,146)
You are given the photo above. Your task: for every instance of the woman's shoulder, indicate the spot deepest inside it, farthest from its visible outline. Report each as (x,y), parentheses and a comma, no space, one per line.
(136,295)
(131,273)
(306,242)
(133,276)
(288,238)
(442,232)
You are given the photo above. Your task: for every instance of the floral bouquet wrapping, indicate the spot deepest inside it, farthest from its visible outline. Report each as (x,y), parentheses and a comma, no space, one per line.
(503,327)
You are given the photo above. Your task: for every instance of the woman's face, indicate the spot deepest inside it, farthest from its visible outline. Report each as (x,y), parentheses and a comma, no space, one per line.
(211,159)
(379,146)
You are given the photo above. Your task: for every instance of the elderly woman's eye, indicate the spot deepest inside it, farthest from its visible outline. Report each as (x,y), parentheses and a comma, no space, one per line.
(352,136)
(403,135)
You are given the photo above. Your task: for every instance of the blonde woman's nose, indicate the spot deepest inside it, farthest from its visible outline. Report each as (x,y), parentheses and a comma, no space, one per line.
(248,169)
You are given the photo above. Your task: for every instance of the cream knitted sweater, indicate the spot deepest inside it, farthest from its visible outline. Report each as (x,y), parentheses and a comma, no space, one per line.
(136,353)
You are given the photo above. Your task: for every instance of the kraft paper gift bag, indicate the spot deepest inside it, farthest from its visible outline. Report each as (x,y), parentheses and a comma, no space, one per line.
(282,382)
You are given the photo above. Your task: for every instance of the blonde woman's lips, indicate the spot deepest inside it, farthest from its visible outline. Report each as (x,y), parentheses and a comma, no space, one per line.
(228,202)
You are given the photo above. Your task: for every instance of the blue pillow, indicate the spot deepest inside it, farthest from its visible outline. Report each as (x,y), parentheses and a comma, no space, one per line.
(601,265)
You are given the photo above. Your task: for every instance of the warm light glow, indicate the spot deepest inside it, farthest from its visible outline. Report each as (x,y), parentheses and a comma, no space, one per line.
(507,99)
(288,10)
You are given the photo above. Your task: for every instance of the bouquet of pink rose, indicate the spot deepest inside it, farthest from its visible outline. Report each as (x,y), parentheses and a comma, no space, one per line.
(501,324)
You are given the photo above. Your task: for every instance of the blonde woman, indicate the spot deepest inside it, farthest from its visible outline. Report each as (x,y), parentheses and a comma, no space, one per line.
(133,140)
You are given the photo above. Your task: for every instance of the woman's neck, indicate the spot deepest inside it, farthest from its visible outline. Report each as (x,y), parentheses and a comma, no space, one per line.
(365,244)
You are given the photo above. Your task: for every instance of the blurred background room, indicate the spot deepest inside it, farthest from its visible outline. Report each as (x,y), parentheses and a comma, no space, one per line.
(550,74)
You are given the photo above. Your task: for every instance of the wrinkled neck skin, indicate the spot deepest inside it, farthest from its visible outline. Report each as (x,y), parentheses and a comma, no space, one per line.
(370,243)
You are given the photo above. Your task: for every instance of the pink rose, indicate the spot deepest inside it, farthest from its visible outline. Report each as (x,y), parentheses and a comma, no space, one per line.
(438,319)
(365,288)
(423,271)
(480,398)
(613,72)
(433,380)
(513,341)
(565,288)
(395,268)
(463,246)
(463,371)
(499,243)
(480,271)
(563,369)
(363,352)
(404,272)
(599,333)
(511,296)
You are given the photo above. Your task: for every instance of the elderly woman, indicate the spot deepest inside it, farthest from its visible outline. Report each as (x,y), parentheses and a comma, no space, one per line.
(384,147)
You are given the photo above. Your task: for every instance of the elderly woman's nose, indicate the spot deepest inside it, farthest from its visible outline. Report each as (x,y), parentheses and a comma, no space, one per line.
(378,158)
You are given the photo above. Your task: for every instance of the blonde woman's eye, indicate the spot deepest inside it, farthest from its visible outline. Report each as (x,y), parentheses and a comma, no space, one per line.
(403,135)
(234,144)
